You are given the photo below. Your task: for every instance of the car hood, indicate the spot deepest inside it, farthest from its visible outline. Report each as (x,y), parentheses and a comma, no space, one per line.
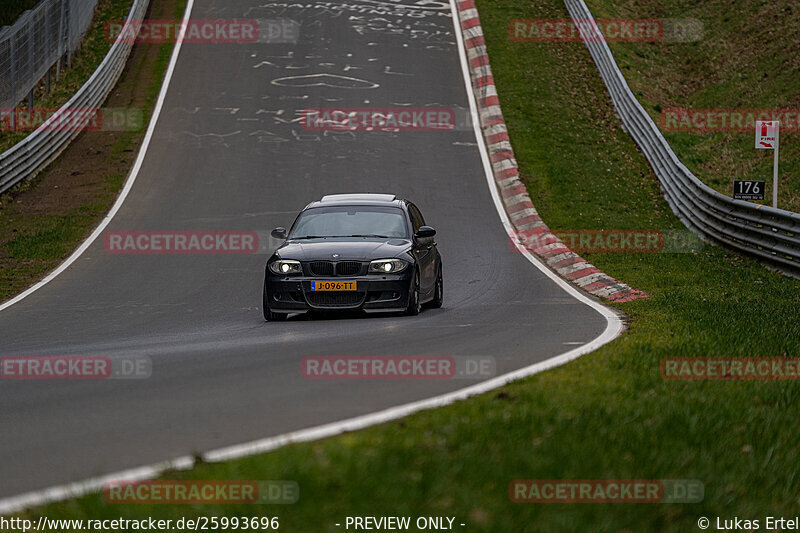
(353,250)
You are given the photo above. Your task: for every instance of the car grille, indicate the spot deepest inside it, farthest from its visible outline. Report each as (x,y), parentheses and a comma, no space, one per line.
(328,268)
(335,299)
(348,268)
(321,268)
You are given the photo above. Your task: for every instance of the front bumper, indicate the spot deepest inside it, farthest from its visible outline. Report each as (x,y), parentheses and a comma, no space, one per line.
(375,293)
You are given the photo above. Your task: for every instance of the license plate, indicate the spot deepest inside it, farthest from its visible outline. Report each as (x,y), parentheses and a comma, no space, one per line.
(333,285)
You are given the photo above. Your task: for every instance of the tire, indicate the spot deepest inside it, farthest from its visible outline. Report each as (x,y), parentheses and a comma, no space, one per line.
(269,316)
(414,305)
(438,292)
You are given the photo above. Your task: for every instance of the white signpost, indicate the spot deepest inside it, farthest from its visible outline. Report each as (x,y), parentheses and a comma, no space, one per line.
(768,138)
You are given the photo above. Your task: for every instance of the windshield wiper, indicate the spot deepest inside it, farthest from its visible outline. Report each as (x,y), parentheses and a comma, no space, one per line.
(373,235)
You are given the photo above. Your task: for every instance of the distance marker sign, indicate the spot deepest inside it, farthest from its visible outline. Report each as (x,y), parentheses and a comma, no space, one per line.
(748,189)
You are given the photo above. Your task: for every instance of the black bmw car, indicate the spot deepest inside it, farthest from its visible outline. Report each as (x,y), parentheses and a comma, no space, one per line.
(370,252)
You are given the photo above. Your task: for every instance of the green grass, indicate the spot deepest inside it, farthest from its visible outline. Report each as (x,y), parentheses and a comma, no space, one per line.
(608,414)
(94,48)
(746,59)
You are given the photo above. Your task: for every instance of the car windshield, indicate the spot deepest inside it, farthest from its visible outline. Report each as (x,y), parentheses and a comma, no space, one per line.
(350,221)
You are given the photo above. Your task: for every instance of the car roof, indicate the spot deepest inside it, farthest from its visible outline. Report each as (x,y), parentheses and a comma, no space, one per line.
(357,199)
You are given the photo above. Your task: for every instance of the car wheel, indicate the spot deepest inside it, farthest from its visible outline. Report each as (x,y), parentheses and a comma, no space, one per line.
(269,316)
(438,293)
(414,305)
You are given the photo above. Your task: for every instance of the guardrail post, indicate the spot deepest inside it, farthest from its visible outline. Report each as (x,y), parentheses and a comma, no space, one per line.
(12,54)
(68,36)
(60,37)
(31,34)
(48,50)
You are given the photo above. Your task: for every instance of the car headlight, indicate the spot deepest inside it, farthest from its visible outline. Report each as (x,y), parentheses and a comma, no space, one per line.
(286,267)
(387,266)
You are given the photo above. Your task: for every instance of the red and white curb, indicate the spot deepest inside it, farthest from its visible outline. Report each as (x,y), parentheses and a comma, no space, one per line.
(530,231)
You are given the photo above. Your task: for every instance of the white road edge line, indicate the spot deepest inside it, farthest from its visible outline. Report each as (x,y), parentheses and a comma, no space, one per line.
(613,329)
(128,182)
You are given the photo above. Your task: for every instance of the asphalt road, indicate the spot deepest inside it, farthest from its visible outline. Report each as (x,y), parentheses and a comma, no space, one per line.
(228,153)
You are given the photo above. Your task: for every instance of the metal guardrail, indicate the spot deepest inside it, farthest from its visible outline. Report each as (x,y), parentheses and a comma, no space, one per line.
(767,233)
(36,41)
(41,147)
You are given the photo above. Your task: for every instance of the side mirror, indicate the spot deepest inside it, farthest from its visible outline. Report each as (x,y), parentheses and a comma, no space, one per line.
(425,232)
(279,232)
